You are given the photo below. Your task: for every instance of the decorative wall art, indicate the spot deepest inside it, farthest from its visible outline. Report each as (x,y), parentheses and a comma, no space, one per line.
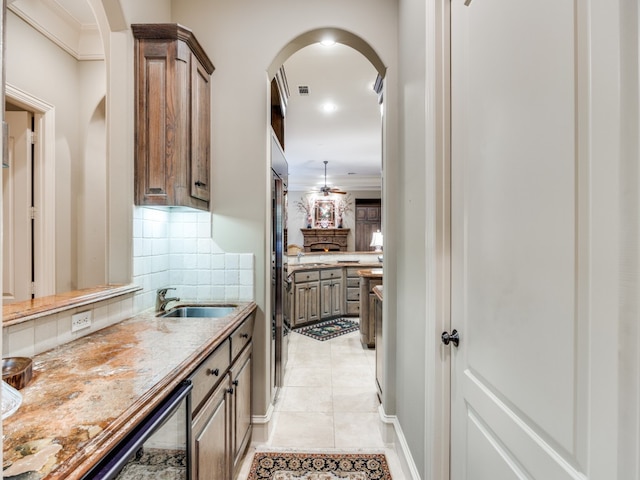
(325,213)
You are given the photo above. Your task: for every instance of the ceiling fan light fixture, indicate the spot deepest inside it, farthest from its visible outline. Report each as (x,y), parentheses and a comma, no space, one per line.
(328,42)
(326,190)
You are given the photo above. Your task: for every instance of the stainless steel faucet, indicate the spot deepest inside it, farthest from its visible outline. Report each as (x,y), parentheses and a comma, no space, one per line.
(300,255)
(161,301)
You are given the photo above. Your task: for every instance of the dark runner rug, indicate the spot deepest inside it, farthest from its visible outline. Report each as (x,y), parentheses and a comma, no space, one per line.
(328,329)
(319,466)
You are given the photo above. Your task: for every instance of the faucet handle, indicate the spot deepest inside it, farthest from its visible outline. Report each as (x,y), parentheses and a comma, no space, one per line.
(163,291)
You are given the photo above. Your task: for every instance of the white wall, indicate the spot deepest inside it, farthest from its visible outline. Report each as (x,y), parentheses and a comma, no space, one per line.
(40,68)
(30,58)
(411,285)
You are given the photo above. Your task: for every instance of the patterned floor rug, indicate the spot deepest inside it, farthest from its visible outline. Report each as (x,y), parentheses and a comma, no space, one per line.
(328,329)
(156,464)
(319,466)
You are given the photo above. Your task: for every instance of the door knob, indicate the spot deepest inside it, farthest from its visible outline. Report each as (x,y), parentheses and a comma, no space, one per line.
(454,338)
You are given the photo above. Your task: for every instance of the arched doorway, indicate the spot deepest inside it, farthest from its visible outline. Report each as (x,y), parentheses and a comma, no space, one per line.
(277,92)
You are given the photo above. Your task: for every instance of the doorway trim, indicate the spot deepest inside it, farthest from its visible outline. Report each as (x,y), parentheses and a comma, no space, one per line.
(44,174)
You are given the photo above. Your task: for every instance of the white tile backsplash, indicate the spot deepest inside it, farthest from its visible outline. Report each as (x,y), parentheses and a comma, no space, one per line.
(170,248)
(176,249)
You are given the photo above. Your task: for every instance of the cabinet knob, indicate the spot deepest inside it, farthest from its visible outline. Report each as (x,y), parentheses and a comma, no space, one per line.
(235,382)
(200,184)
(215,372)
(230,391)
(244,335)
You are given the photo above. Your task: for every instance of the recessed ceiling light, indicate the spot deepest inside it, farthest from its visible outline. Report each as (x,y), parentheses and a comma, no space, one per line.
(329,107)
(328,42)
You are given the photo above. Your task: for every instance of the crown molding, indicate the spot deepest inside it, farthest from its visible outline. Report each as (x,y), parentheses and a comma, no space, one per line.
(81,41)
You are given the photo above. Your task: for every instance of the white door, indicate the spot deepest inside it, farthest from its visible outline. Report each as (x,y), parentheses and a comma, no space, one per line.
(16,197)
(522,388)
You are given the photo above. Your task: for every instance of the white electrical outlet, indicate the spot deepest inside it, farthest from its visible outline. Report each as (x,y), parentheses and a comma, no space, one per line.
(80,320)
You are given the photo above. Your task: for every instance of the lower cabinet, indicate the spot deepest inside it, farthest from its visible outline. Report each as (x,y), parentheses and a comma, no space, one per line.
(221,426)
(306,298)
(331,293)
(377,315)
(210,436)
(367,311)
(240,392)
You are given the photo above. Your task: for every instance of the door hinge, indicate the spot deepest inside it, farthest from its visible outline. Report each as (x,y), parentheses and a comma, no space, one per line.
(32,213)
(33,288)
(33,137)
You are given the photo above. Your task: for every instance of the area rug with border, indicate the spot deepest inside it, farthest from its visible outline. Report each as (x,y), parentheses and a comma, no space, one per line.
(319,466)
(328,329)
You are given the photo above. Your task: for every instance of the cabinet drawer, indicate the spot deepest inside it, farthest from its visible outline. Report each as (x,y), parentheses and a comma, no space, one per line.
(353,282)
(209,374)
(241,337)
(310,276)
(353,308)
(353,294)
(352,272)
(328,274)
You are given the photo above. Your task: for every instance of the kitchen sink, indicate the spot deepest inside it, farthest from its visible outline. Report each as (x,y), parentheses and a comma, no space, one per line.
(200,311)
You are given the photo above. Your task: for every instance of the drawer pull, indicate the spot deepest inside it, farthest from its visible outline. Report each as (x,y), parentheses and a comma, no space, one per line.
(244,335)
(230,391)
(235,382)
(215,372)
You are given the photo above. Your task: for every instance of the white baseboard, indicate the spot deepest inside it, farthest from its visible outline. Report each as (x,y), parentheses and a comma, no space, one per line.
(262,426)
(394,437)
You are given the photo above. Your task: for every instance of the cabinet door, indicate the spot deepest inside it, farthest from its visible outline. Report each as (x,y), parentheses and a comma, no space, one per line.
(155,84)
(211,431)
(313,301)
(379,346)
(337,298)
(326,298)
(300,302)
(200,131)
(364,310)
(372,320)
(241,386)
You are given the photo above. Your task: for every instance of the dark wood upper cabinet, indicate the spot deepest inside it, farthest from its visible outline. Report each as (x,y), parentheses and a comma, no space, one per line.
(173,124)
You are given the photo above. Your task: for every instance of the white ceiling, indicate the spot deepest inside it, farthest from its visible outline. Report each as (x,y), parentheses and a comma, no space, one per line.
(348,138)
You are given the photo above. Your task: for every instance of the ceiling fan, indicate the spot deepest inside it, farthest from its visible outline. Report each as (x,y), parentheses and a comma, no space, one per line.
(327,190)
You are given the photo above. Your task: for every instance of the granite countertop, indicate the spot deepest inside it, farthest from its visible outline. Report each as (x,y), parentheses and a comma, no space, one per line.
(370,273)
(19,312)
(87,394)
(377,290)
(292,268)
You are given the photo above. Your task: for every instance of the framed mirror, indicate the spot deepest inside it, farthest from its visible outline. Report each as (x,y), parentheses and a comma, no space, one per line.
(325,214)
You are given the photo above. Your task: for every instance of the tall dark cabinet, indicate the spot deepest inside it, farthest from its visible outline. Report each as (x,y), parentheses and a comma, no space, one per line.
(368,220)
(173,125)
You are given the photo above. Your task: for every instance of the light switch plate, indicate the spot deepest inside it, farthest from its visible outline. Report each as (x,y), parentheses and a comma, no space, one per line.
(80,320)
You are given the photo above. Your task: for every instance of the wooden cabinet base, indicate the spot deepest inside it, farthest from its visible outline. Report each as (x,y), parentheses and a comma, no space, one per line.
(367,311)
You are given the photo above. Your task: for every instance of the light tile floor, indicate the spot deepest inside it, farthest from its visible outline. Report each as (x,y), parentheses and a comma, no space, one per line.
(328,401)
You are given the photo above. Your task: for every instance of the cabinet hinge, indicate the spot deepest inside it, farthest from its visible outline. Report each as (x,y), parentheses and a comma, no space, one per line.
(32,213)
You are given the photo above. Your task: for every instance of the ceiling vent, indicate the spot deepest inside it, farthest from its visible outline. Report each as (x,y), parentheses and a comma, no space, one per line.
(303,89)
